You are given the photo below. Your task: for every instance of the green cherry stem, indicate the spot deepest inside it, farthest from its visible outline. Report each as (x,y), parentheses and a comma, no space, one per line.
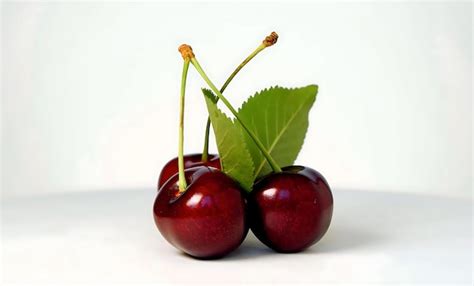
(259,144)
(270,40)
(182,179)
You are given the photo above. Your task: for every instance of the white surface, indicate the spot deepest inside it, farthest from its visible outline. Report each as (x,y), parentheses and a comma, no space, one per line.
(109,237)
(89,96)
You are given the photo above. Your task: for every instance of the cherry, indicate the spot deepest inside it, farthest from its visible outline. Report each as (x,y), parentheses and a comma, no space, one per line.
(200,210)
(191,160)
(291,210)
(208,219)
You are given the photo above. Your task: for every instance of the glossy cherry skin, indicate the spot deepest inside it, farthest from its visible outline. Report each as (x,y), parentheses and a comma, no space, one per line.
(291,210)
(190,161)
(208,220)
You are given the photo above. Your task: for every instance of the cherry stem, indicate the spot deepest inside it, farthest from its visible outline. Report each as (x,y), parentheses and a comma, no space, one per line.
(270,40)
(205,152)
(257,142)
(182,179)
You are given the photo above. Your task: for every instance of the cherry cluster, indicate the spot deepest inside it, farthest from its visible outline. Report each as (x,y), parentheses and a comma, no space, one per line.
(206,214)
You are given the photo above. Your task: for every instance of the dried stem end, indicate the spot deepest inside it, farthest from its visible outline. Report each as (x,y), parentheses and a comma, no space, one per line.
(270,40)
(186,52)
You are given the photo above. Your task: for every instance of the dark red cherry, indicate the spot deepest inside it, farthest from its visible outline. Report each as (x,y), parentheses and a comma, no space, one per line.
(191,160)
(291,210)
(208,220)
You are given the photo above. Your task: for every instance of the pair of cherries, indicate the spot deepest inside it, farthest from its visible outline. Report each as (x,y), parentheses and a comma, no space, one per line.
(206,214)
(287,211)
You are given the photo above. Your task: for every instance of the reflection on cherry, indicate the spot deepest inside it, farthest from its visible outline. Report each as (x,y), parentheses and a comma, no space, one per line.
(190,161)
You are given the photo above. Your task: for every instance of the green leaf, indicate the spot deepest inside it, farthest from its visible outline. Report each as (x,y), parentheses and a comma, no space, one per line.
(279,118)
(235,158)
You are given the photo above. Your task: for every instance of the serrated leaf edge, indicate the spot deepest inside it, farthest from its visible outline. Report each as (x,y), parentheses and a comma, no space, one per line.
(273,88)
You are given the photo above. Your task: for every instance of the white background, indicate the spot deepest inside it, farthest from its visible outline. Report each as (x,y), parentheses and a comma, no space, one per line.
(90,90)
(89,116)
